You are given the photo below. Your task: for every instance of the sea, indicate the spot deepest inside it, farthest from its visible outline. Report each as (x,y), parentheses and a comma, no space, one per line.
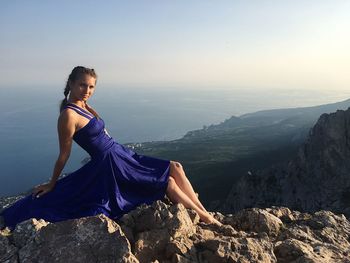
(28,116)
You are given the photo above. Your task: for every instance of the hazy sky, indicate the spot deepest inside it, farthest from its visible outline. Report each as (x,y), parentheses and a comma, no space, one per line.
(279,44)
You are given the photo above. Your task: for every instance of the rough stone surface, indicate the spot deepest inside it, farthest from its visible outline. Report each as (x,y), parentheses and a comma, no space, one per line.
(7,250)
(88,239)
(26,231)
(257,220)
(168,233)
(316,179)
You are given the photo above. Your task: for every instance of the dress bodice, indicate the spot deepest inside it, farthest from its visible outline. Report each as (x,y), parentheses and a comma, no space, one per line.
(93,137)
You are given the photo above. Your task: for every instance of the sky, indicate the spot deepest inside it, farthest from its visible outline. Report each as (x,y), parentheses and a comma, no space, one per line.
(179,43)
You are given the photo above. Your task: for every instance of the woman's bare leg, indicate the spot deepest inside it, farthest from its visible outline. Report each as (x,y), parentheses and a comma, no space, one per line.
(182,181)
(176,195)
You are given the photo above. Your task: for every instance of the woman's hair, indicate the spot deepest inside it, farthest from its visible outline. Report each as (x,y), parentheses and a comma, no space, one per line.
(76,73)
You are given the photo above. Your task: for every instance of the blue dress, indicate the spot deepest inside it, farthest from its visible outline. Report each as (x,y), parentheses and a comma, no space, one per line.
(113,182)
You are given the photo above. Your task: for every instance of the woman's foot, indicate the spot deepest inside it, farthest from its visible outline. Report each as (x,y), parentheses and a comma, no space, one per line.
(209,219)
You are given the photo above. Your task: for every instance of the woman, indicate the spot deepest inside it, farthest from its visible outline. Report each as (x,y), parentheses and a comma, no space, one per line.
(113,182)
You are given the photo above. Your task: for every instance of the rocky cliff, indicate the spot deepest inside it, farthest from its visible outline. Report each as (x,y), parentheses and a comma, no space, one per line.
(164,232)
(318,178)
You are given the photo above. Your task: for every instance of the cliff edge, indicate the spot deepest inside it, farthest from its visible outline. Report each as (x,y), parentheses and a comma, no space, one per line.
(317,178)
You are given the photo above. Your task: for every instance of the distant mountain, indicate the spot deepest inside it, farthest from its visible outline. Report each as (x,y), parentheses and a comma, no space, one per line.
(287,117)
(216,156)
(317,178)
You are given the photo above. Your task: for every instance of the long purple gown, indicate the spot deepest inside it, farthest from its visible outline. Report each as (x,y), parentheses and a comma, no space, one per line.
(113,182)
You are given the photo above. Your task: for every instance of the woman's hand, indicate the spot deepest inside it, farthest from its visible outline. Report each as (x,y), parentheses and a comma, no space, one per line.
(41,189)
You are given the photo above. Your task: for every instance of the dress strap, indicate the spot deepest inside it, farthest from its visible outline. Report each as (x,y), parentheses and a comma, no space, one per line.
(80,111)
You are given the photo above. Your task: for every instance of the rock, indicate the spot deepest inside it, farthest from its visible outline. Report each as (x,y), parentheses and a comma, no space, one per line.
(8,252)
(194,216)
(180,259)
(88,239)
(236,250)
(155,226)
(317,178)
(227,230)
(180,224)
(184,249)
(175,219)
(257,220)
(292,250)
(282,213)
(320,237)
(150,245)
(202,234)
(151,217)
(167,233)
(26,231)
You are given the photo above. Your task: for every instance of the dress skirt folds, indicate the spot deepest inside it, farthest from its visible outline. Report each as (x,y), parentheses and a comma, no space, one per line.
(113,182)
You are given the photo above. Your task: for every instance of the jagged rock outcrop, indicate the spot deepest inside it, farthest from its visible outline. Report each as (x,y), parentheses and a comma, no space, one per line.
(318,178)
(164,232)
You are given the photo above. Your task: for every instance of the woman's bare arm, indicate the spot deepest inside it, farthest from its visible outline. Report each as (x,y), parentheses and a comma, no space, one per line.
(66,126)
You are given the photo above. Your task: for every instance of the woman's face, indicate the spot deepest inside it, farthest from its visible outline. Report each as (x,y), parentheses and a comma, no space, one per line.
(82,88)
